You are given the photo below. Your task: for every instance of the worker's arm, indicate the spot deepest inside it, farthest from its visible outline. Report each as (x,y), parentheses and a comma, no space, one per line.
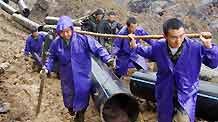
(97,49)
(209,51)
(148,41)
(144,51)
(116,46)
(27,47)
(52,57)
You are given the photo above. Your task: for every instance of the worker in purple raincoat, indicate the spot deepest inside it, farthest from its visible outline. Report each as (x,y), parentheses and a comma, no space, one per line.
(125,56)
(179,62)
(73,53)
(33,46)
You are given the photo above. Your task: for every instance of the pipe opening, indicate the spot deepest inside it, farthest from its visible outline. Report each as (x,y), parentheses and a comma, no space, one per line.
(6,1)
(26,12)
(40,28)
(120,108)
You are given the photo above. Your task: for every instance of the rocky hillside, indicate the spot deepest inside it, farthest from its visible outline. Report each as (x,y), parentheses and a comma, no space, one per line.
(198,15)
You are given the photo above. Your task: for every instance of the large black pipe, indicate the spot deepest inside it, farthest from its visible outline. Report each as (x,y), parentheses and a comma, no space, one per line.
(143,86)
(208,74)
(27,23)
(6,1)
(46,28)
(25,11)
(113,100)
(7,8)
(15,1)
(49,20)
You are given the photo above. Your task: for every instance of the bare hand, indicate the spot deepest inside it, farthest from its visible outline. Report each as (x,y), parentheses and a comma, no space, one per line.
(206,41)
(133,41)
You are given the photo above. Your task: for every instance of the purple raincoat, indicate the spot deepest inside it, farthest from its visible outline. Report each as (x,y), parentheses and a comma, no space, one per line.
(125,55)
(75,65)
(34,46)
(185,73)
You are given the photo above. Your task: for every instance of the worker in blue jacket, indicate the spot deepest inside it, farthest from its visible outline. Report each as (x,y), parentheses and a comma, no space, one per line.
(179,61)
(33,47)
(73,53)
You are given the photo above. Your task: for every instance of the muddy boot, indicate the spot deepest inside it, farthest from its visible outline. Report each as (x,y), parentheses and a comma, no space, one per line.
(80,116)
(72,114)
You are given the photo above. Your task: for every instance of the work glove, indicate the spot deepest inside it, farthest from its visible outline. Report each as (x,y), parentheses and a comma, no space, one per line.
(110,63)
(43,73)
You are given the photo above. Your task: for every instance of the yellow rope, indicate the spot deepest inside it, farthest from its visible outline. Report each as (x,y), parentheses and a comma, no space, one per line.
(193,35)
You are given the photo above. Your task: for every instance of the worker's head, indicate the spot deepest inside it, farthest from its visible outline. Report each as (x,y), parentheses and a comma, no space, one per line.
(99,14)
(112,16)
(34,32)
(65,27)
(66,34)
(174,32)
(131,24)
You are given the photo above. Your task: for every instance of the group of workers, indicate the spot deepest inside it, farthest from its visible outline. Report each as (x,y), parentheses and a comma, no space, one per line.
(178,60)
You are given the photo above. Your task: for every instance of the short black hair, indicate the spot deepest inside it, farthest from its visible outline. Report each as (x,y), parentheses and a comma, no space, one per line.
(173,23)
(33,29)
(131,20)
(111,13)
(99,12)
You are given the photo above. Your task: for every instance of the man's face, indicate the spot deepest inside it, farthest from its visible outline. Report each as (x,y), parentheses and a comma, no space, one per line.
(35,35)
(132,28)
(112,18)
(66,33)
(175,37)
(99,17)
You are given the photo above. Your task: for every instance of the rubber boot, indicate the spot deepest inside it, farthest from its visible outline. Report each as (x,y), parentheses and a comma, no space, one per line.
(72,114)
(80,116)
